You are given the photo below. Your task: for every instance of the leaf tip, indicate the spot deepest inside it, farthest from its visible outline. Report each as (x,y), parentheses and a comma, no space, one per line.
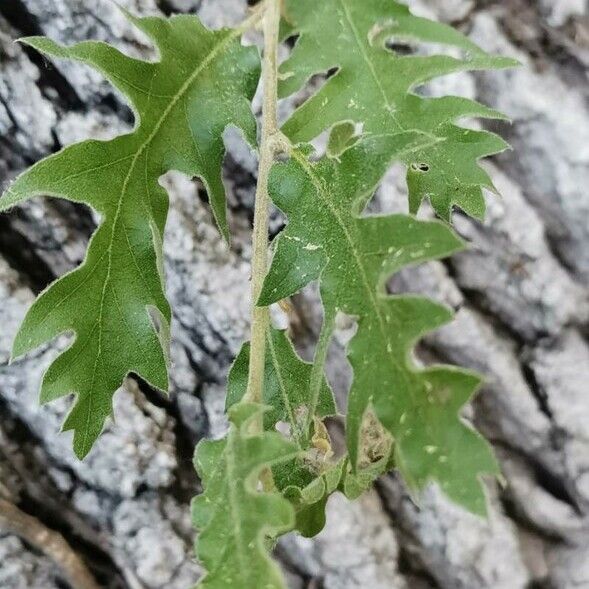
(20,347)
(35,41)
(511,62)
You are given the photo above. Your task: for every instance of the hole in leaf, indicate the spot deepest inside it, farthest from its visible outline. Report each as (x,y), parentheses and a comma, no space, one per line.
(375,441)
(401,48)
(284,428)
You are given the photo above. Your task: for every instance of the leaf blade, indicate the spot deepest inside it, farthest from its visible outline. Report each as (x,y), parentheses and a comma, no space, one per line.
(114,303)
(233,517)
(309,478)
(360,253)
(374,86)
(286,385)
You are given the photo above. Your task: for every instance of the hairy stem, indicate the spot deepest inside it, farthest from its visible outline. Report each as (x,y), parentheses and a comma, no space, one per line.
(318,369)
(268,147)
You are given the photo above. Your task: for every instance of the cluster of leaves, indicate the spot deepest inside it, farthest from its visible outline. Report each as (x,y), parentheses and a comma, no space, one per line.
(399,415)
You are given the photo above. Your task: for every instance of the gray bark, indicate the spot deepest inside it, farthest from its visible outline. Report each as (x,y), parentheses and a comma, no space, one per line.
(520,293)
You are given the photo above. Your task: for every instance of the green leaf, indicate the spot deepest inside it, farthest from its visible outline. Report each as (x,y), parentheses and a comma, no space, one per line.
(286,386)
(307,479)
(374,86)
(310,499)
(114,303)
(355,484)
(233,516)
(352,256)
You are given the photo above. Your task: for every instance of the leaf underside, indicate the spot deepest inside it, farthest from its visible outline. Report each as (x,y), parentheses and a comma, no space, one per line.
(114,303)
(373,85)
(310,477)
(286,385)
(234,518)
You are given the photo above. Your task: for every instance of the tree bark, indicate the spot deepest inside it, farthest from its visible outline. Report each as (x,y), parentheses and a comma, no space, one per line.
(520,293)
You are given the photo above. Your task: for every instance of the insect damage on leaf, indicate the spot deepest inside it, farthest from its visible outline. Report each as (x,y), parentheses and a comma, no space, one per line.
(203,81)
(234,518)
(374,86)
(307,479)
(286,386)
(352,256)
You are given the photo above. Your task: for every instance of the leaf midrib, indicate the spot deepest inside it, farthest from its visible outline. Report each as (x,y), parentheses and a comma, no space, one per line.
(361,47)
(317,183)
(285,397)
(175,99)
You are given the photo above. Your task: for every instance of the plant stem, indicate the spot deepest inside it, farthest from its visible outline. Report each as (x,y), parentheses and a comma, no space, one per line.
(318,371)
(268,147)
